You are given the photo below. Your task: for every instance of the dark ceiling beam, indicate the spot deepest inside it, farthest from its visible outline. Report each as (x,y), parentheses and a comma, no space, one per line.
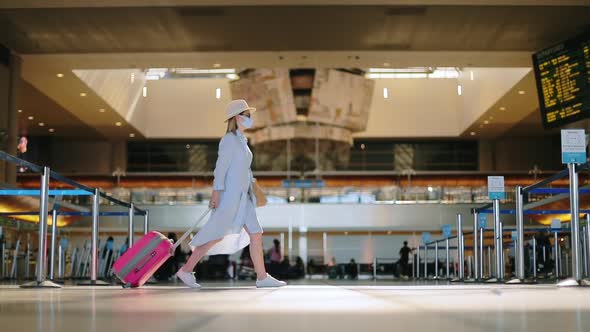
(15,4)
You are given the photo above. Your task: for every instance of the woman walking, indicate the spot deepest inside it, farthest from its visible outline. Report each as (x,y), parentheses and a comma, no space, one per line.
(233,223)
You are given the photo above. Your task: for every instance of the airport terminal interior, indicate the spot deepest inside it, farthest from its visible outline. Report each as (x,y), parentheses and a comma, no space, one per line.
(294,165)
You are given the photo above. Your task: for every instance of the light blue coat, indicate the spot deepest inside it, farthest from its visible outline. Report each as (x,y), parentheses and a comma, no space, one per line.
(236,209)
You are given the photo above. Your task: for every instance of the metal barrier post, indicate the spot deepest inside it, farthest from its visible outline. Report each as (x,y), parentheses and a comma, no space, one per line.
(53,243)
(576,277)
(497,240)
(14,267)
(587,236)
(425,261)
(28,260)
(520,274)
(146,223)
(584,251)
(556,254)
(448,258)
(502,261)
(460,276)
(475,246)
(60,262)
(561,264)
(375,268)
(481,260)
(94,243)
(94,240)
(490,266)
(130,228)
(42,253)
(436,260)
(2,258)
(418,262)
(534,258)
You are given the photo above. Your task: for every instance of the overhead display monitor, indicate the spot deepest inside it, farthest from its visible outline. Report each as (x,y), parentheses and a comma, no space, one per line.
(562,74)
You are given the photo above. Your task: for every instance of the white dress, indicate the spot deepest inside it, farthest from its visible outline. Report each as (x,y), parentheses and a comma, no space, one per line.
(236,209)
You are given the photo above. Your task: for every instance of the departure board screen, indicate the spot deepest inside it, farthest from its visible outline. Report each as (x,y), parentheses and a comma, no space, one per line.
(562,74)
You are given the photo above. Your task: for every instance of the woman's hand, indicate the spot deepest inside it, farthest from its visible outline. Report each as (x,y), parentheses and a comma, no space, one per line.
(214,202)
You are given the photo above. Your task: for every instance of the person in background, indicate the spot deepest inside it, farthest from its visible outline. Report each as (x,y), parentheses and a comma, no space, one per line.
(275,257)
(297,270)
(124,247)
(404,259)
(352,270)
(334,270)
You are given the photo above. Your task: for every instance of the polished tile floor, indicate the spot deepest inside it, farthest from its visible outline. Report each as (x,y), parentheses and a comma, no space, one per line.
(301,306)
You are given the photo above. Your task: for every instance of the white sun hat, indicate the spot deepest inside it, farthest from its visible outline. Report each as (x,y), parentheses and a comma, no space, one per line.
(236,107)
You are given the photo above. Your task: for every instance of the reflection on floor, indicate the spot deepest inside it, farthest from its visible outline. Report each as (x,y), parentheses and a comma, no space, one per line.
(301,306)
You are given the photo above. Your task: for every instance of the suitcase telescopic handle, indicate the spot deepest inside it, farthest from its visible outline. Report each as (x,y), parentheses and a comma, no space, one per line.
(193,227)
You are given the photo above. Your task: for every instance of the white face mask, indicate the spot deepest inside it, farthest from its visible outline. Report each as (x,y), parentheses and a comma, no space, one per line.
(246,121)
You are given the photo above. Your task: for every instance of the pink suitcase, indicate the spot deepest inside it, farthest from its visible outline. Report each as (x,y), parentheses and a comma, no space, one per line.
(143,259)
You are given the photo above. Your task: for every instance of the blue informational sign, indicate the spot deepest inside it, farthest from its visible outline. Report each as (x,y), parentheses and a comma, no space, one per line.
(496,187)
(447,231)
(497,195)
(573,146)
(63,242)
(426,237)
(303,184)
(514,235)
(555,225)
(482,220)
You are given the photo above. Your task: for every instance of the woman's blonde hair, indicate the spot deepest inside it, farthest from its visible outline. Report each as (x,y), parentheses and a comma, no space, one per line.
(232,125)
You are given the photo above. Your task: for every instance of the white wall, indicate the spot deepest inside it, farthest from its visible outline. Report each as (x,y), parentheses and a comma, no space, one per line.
(415,108)
(488,85)
(185,108)
(310,217)
(115,87)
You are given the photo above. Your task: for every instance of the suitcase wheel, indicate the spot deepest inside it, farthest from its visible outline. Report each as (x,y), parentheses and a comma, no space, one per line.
(127,285)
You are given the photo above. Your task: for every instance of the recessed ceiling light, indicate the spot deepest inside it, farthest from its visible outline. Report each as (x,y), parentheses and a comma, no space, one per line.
(385,93)
(471,74)
(60,75)
(459,90)
(472,133)
(101,110)
(218,93)
(118,124)
(502,108)
(41,124)
(521,92)
(20,111)
(132,135)
(386,64)
(145,91)
(82,94)
(486,122)
(216,65)
(51,130)
(31,117)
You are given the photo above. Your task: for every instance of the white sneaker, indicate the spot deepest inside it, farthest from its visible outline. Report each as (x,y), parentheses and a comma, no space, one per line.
(188,278)
(269,281)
